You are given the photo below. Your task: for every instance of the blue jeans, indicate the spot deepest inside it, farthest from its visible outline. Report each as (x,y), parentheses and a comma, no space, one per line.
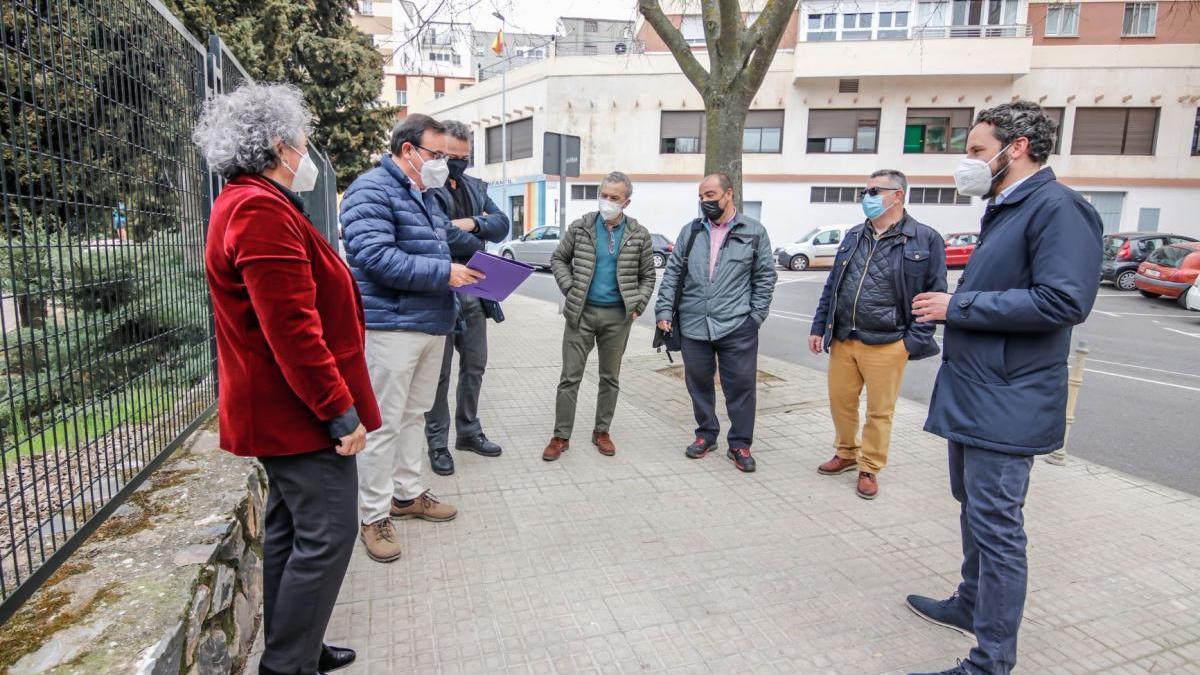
(991,487)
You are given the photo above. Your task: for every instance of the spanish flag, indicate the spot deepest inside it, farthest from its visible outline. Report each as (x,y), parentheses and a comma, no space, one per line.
(498,43)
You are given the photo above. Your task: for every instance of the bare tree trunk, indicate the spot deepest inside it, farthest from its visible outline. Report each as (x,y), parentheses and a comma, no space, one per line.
(724,124)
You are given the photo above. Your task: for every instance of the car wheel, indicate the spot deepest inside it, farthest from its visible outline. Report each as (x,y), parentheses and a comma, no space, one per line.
(508,254)
(1148,294)
(798,263)
(660,260)
(1125,281)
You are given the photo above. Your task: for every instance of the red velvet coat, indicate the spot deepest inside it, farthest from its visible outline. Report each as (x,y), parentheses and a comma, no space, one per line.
(289,326)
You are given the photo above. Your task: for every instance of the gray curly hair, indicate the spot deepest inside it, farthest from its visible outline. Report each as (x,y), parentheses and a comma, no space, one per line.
(1011,121)
(238,131)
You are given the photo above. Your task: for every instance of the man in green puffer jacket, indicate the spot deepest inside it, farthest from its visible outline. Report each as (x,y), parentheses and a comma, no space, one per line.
(604,265)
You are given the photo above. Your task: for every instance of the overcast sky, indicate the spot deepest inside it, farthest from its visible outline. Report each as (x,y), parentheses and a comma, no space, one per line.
(539,16)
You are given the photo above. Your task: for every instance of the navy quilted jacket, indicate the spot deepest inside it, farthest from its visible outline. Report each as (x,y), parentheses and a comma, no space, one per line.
(395,242)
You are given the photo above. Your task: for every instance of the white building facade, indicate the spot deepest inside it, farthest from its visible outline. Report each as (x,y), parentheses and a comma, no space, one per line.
(862,86)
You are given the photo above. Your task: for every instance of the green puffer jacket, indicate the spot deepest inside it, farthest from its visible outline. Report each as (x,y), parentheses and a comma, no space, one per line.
(574,262)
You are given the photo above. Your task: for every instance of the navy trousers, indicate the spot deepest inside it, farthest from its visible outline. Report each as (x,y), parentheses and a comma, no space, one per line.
(991,488)
(736,355)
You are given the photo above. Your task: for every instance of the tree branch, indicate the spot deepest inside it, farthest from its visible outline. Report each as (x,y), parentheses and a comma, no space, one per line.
(732,28)
(762,39)
(679,47)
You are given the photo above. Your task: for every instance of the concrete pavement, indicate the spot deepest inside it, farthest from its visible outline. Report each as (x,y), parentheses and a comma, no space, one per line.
(650,562)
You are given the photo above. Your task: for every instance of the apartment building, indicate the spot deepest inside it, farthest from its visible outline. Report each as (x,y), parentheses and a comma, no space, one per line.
(521,49)
(857,86)
(425,59)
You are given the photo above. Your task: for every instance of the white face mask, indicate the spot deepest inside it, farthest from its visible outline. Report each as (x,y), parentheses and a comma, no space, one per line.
(974,178)
(609,210)
(434,172)
(304,177)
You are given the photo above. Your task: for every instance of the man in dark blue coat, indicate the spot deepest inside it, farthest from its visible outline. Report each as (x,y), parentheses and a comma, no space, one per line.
(1001,393)
(395,237)
(474,220)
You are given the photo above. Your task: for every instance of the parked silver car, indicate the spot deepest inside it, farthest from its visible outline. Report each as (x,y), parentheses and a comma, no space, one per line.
(533,248)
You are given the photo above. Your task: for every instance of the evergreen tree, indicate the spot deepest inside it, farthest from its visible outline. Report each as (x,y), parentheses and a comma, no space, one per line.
(312,44)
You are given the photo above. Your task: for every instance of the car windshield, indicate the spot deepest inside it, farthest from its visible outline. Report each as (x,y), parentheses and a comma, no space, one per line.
(808,236)
(1112,245)
(1169,256)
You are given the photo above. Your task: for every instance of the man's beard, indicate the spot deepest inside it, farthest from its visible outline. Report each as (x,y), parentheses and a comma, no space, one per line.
(999,176)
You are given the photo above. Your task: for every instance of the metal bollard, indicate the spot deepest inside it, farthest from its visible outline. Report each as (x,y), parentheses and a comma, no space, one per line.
(1074,382)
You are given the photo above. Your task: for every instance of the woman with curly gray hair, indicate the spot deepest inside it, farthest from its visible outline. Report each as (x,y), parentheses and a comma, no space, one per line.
(294,391)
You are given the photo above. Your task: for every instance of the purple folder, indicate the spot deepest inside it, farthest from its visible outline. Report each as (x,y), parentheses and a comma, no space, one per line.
(503,276)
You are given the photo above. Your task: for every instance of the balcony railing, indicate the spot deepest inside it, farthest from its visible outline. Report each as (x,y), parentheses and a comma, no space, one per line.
(946,32)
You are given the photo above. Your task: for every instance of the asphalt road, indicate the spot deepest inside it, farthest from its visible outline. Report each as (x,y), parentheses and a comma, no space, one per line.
(1139,409)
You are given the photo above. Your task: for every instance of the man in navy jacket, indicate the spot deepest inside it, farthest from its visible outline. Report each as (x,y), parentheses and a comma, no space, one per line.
(395,237)
(1001,393)
(474,220)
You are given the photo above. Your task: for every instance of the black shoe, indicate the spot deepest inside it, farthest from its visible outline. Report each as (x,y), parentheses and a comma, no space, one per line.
(948,613)
(478,444)
(741,459)
(960,669)
(441,461)
(699,448)
(335,658)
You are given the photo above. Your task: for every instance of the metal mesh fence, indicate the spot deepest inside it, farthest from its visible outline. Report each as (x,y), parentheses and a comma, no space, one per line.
(107,349)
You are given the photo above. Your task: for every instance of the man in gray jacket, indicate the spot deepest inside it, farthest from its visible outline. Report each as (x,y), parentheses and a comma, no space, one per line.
(723,261)
(604,265)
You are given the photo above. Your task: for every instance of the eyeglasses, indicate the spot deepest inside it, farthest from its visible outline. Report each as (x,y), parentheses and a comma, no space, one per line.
(436,154)
(874,191)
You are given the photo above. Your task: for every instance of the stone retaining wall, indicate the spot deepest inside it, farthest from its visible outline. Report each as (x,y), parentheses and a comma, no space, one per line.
(171,584)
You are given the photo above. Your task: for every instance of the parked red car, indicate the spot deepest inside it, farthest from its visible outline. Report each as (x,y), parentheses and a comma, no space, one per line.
(1170,272)
(959,247)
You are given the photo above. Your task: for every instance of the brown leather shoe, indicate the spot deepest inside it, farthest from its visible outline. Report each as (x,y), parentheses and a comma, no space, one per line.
(868,487)
(837,465)
(603,443)
(381,541)
(555,449)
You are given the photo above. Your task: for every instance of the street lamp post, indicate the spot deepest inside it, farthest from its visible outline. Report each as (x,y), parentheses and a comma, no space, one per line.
(504,123)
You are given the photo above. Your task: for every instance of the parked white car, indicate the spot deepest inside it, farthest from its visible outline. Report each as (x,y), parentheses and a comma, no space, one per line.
(815,249)
(533,248)
(1193,296)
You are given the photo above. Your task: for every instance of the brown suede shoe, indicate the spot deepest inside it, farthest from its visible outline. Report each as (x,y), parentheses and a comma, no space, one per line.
(868,487)
(837,465)
(424,507)
(555,449)
(382,543)
(603,443)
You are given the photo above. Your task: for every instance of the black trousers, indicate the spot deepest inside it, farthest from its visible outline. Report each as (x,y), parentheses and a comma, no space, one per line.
(736,355)
(472,348)
(311,524)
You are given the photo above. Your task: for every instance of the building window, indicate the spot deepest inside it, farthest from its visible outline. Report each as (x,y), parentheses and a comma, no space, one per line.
(1196,135)
(590,50)
(585,192)
(1056,114)
(822,27)
(843,130)
(681,133)
(893,26)
(937,130)
(520,141)
(366,8)
(1114,131)
(763,131)
(401,97)
(932,14)
(856,26)
(591,26)
(439,94)
(1140,19)
(456,60)
(692,28)
(834,195)
(931,195)
(1062,19)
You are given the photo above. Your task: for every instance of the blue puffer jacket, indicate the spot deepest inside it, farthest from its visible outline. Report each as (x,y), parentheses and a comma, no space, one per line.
(395,239)
(1033,276)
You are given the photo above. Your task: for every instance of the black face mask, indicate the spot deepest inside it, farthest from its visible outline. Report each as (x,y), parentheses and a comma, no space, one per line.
(457,168)
(712,209)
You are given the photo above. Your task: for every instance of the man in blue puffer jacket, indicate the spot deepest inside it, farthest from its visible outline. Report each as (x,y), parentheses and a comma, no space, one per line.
(395,237)
(1001,393)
